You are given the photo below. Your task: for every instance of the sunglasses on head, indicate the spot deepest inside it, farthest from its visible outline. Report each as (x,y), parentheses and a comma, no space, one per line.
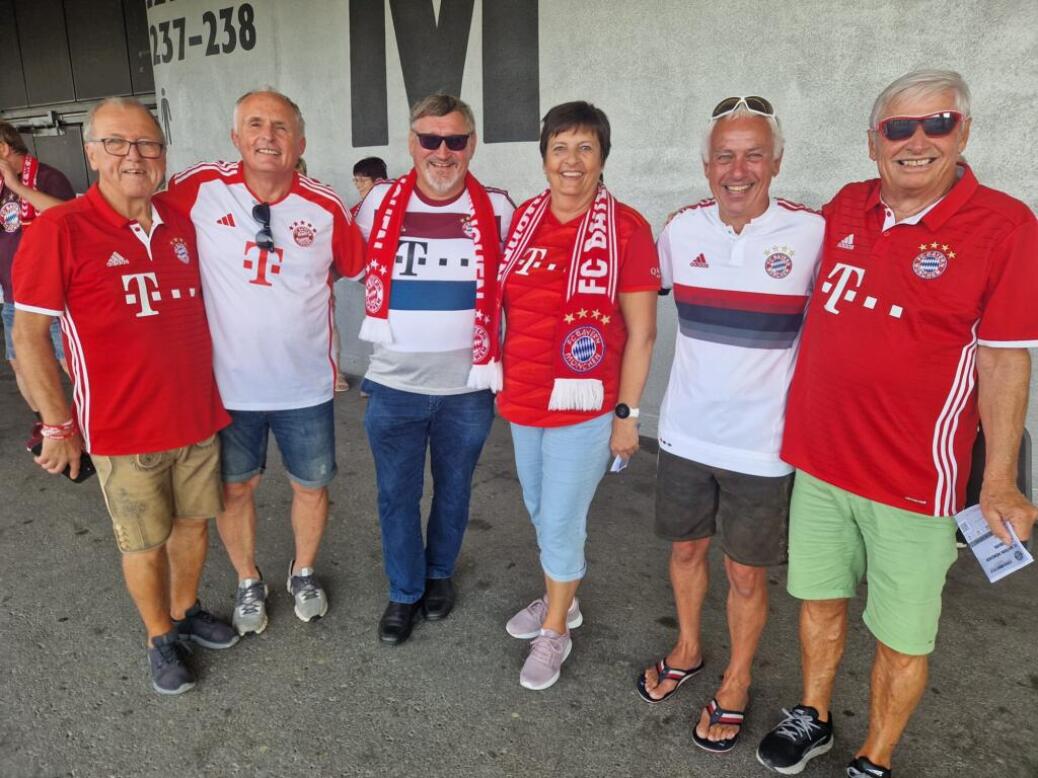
(753,103)
(264,237)
(431,142)
(936,125)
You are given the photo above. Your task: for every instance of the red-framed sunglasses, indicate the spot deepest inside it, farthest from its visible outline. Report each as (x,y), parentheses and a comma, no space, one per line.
(936,125)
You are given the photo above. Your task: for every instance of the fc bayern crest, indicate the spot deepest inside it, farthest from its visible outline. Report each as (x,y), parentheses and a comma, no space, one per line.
(9,216)
(303,233)
(374,294)
(180,250)
(583,349)
(480,343)
(778,265)
(930,264)
(467,228)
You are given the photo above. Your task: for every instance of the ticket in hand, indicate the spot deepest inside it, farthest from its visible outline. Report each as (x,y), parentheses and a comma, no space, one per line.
(996,558)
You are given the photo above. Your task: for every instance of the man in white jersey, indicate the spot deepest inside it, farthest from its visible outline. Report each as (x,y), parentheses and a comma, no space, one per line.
(269,239)
(741,266)
(434,240)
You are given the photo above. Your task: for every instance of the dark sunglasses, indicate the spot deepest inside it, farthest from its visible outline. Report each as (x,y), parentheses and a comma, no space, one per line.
(431,142)
(264,237)
(754,104)
(936,125)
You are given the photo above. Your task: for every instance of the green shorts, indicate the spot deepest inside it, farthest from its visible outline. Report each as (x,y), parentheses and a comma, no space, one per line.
(836,538)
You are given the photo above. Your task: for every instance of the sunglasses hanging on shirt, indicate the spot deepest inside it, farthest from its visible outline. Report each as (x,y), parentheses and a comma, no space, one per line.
(264,237)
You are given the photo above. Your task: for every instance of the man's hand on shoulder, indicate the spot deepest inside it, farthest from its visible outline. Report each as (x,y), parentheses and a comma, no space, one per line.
(1002,502)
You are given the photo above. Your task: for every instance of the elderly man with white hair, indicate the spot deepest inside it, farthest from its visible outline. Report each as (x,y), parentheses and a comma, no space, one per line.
(918,330)
(741,266)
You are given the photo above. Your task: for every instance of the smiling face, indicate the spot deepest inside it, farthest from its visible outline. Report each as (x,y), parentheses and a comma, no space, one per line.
(441,172)
(573,166)
(919,167)
(129,178)
(267,135)
(740,166)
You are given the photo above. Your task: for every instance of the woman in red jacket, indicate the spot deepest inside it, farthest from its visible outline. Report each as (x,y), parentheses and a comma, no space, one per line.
(578,290)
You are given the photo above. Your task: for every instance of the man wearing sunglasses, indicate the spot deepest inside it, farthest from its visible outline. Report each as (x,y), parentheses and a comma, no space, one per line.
(269,239)
(741,266)
(434,244)
(918,329)
(121,274)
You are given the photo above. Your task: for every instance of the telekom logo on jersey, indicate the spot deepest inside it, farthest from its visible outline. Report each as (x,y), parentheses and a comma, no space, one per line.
(142,289)
(263,263)
(842,286)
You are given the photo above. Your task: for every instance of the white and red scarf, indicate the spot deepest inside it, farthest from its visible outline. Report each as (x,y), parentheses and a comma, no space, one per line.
(590,303)
(382,246)
(30,171)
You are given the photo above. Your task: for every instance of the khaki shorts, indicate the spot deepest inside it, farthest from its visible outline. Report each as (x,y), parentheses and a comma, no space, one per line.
(749,513)
(145,492)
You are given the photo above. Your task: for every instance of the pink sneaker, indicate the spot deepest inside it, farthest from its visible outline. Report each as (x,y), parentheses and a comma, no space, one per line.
(544,664)
(526,624)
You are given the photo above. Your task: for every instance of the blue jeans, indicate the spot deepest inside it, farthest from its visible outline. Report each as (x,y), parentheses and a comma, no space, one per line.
(305,438)
(559,469)
(401,426)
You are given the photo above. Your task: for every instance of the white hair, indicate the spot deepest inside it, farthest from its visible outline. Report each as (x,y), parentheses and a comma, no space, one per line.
(120,102)
(269,90)
(741,110)
(922,83)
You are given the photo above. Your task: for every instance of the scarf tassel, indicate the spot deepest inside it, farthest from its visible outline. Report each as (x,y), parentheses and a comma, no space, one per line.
(576,394)
(376,330)
(488,376)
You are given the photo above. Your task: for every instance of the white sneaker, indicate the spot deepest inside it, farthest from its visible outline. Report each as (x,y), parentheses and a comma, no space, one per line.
(250,606)
(526,624)
(544,664)
(310,600)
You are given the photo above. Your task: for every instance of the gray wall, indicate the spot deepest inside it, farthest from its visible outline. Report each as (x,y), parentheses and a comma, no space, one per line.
(656,68)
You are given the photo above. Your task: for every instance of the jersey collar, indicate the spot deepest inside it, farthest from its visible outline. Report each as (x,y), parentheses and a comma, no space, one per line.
(109,214)
(942,210)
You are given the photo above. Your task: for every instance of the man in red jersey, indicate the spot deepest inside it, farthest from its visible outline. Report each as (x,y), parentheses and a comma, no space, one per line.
(918,330)
(121,274)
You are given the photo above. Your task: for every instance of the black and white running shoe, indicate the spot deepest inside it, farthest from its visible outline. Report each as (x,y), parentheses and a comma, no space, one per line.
(798,739)
(863,767)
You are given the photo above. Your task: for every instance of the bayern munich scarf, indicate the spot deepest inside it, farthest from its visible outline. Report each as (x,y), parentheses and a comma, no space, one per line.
(382,246)
(590,303)
(30,171)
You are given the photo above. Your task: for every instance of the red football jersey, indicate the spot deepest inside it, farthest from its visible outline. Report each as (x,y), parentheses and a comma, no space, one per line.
(533,298)
(135,330)
(883,401)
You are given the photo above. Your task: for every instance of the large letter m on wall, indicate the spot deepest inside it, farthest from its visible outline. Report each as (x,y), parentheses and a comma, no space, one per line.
(432,59)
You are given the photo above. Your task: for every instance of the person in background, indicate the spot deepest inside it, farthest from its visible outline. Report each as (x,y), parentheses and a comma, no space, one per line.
(578,289)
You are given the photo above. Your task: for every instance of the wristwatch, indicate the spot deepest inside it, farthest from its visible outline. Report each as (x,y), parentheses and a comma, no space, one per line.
(625,411)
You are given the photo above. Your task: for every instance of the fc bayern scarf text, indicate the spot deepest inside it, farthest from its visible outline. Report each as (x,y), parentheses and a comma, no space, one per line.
(382,246)
(591,299)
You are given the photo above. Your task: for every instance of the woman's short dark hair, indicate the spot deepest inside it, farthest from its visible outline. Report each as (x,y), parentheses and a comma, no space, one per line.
(371,167)
(570,116)
(11,136)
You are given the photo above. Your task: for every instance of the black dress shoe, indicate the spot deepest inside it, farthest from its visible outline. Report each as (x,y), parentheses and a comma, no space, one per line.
(438,599)
(397,620)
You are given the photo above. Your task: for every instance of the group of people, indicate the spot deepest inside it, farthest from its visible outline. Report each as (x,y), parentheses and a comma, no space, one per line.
(830,373)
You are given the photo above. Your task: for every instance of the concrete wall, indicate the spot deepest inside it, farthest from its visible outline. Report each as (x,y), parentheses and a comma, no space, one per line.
(656,68)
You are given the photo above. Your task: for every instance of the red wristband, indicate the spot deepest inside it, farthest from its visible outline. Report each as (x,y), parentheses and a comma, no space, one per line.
(63,431)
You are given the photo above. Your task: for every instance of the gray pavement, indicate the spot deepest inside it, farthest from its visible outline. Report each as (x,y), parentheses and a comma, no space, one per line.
(326,699)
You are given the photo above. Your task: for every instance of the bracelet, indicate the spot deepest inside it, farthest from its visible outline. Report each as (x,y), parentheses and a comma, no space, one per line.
(63,431)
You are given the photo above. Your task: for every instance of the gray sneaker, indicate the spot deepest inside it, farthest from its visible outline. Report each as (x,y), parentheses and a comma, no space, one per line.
(527,623)
(311,601)
(547,653)
(169,674)
(250,606)
(203,628)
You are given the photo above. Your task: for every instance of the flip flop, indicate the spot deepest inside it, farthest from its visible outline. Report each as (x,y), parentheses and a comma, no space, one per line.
(665,672)
(719,715)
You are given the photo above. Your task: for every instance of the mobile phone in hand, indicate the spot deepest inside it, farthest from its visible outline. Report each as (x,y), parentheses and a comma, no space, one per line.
(86,466)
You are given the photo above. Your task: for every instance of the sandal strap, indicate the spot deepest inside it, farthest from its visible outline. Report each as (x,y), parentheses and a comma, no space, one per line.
(719,715)
(665,672)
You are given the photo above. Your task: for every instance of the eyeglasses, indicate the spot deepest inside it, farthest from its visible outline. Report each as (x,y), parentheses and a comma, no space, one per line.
(753,103)
(264,237)
(120,147)
(936,125)
(431,142)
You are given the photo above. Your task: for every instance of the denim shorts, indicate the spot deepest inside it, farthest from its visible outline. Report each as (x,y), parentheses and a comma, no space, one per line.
(305,437)
(55,334)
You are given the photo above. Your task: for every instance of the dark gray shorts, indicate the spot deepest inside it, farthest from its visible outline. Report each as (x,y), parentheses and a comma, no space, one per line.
(750,513)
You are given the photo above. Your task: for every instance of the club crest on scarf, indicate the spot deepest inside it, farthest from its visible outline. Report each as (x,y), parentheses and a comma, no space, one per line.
(583,349)
(374,294)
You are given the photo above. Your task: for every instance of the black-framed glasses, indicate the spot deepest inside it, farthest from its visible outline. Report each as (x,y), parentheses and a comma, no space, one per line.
(936,125)
(120,147)
(753,103)
(431,142)
(264,237)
